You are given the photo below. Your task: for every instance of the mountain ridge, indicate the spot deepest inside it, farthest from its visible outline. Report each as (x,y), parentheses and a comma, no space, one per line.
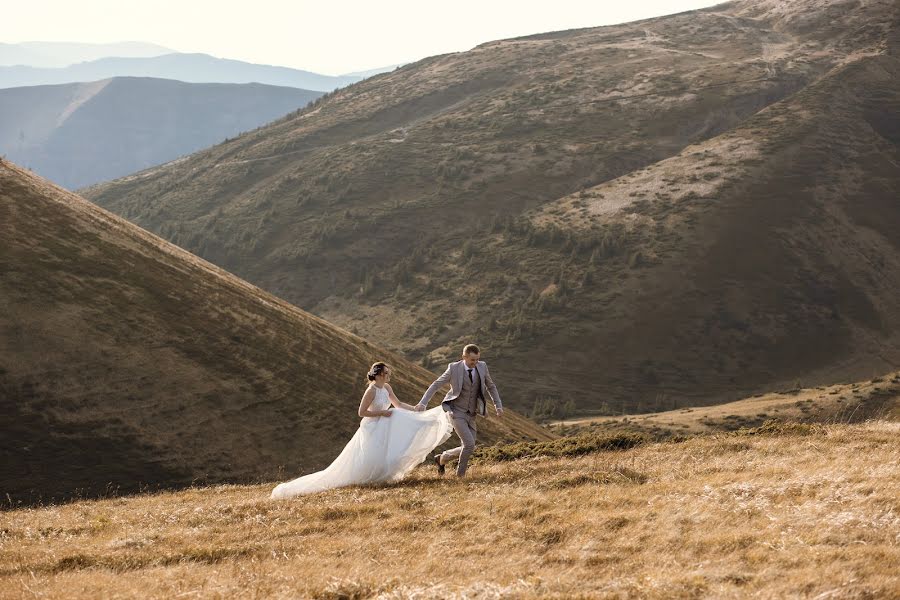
(179,66)
(81,134)
(354,208)
(62,54)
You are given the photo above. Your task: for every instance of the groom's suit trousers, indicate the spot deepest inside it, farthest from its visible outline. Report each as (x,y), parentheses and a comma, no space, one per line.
(464,425)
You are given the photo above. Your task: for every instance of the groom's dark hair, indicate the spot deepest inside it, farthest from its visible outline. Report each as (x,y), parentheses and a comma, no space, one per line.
(471,349)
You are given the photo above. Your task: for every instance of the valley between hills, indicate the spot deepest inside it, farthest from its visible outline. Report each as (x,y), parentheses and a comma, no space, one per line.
(676,241)
(693,208)
(128,364)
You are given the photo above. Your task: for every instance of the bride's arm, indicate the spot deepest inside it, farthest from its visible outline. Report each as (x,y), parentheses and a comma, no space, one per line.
(396,401)
(367,401)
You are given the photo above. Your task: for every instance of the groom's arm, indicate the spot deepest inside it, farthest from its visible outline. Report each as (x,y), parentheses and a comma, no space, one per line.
(492,390)
(434,387)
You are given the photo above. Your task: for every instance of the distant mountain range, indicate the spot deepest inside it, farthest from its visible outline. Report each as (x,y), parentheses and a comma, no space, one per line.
(63,54)
(686,209)
(125,361)
(371,72)
(82,133)
(193,68)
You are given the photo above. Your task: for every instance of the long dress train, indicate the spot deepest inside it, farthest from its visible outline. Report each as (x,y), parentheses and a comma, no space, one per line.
(382,449)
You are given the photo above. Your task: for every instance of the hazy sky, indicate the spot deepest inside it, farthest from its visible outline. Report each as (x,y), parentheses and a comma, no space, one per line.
(326,36)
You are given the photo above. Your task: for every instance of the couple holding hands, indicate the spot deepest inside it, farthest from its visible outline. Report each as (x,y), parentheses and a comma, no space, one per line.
(391,443)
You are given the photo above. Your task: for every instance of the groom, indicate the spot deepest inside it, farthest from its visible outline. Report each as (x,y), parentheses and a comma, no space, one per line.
(469,380)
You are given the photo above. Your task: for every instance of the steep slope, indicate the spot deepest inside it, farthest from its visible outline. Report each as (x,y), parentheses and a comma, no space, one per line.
(768,254)
(125,361)
(194,68)
(83,133)
(417,206)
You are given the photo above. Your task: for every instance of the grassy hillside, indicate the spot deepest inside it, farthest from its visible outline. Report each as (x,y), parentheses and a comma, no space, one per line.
(796,512)
(618,189)
(127,362)
(759,258)
(83,133)
(878,398)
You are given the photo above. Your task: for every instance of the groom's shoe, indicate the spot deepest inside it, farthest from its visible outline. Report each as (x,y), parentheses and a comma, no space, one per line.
(441,468)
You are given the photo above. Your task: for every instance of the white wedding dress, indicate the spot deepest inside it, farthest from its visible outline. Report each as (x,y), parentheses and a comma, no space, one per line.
(382,449)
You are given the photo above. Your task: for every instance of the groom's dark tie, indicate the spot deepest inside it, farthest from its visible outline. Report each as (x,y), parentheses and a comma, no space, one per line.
(470,376)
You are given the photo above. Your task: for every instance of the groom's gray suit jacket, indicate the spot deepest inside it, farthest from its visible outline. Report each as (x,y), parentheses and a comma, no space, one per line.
(454,375)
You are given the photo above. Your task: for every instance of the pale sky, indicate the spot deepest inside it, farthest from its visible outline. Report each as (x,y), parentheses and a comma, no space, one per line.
(325,36)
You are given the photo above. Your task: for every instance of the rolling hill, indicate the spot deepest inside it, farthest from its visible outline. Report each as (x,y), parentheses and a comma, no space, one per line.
(193,68)
(84,133)
(126,362)
(694,208)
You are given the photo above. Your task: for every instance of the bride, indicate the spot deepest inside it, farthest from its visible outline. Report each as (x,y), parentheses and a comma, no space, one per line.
(387,445)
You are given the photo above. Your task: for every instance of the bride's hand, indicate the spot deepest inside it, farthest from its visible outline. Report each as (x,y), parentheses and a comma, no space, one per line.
(385,413)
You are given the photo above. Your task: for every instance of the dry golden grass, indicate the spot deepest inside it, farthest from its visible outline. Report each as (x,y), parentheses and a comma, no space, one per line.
(811,513)
(841,403)
(700,170)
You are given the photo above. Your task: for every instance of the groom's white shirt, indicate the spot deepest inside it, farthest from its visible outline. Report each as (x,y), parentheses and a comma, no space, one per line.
(454,376)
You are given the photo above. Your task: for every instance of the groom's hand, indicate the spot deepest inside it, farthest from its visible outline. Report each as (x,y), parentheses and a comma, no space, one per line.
(499,412)
(419,408)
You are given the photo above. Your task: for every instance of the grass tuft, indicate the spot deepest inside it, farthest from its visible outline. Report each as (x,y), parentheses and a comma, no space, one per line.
(565,447)
(779,427)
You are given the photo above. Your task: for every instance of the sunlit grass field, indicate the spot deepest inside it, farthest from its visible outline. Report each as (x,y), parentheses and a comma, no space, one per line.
(807,511)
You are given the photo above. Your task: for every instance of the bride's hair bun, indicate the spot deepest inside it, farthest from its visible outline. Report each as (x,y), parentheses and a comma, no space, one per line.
(376,370)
